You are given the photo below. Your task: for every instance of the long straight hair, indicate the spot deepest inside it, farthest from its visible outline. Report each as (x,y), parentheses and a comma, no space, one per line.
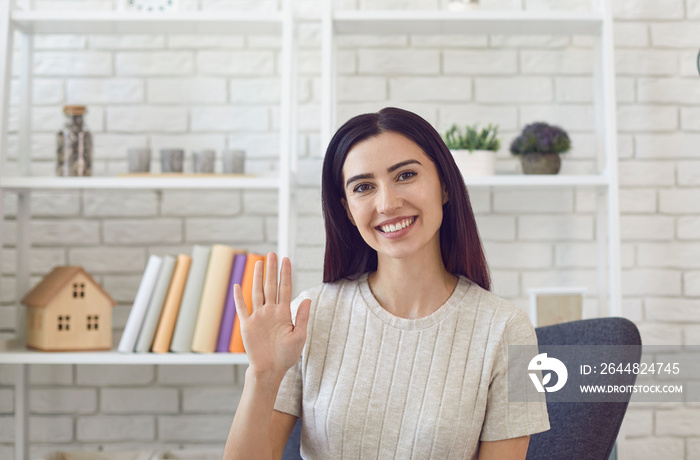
(347,254)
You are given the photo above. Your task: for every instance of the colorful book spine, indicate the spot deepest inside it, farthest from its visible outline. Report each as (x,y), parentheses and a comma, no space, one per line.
(230,305)
(166,325)
(236,344)
(191,297)
(211,306)
(155,305)
(127,343)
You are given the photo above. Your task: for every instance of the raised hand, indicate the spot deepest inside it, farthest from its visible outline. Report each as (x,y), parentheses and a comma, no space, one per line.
(272,342)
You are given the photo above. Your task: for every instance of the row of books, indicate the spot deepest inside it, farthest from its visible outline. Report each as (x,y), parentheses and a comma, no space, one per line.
(185,303)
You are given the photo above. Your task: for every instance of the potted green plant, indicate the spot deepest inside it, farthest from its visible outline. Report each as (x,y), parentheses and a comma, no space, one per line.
(539,145)
(473,149)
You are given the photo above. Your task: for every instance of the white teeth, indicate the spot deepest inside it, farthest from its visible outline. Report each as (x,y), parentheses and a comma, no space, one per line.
(391,228)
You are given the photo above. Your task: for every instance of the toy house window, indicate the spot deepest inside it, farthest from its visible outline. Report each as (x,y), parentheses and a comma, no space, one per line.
(93,322)
(64,323)
(78,290)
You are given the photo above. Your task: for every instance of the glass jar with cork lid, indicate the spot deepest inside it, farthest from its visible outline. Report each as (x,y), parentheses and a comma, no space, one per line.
(74,144)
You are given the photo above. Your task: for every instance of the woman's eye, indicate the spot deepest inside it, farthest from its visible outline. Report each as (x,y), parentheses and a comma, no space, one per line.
(406,175)
(361,188)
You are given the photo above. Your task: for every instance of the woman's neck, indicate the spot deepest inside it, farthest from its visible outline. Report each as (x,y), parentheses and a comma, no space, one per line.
(413,287)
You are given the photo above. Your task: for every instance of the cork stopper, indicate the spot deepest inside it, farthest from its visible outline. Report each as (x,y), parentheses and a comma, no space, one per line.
(74,109)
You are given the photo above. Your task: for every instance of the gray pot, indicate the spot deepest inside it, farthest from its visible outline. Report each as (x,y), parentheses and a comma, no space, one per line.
(540,163)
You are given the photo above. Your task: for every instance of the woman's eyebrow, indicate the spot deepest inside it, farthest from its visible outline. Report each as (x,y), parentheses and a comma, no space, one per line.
(358,177)
(389,170)
(401,165)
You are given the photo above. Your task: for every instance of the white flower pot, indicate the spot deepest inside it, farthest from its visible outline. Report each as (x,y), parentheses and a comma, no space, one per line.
(475,163)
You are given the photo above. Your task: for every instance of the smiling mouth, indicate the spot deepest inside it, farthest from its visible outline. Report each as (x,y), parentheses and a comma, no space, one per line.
(391,228)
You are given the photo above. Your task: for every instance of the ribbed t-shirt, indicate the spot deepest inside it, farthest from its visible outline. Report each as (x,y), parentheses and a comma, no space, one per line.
(373,385)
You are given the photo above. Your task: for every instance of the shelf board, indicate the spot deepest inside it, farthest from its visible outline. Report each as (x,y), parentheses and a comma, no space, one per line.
(350,22)
(132,22)
(538,180)
(141,182)
(12,352)
(223,182)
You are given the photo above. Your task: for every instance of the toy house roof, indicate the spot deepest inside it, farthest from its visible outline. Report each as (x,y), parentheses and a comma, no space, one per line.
(52,283)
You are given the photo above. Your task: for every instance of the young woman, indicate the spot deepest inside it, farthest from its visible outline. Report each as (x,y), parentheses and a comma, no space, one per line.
(401,352)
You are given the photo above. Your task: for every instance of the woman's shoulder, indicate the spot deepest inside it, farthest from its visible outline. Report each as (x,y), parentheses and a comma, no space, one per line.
(494,306)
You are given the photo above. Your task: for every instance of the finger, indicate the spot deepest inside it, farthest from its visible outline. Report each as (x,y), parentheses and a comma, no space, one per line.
(285,294)
(241,309)
(258,296)
(302,318)
(271,278)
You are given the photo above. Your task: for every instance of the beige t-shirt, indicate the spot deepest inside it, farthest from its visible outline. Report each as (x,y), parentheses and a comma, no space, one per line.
(373,385)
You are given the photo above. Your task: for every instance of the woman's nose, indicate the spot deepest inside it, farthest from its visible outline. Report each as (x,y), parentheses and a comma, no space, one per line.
(389,200)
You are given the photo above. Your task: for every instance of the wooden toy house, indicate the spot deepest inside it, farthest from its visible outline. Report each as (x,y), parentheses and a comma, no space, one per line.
(69,310)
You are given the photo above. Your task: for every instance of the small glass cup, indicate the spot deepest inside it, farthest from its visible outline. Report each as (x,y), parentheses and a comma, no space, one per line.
(203,161)
(171,160)
(139,160)
(234,161)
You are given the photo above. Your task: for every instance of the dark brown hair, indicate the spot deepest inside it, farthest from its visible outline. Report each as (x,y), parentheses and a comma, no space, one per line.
(347,254)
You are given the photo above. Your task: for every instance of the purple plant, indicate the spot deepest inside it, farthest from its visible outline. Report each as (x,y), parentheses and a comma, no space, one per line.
(540,137)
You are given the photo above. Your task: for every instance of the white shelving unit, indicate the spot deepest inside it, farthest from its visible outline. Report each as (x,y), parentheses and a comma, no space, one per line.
(30,22)
(14,352)
(27,184)
(596,23)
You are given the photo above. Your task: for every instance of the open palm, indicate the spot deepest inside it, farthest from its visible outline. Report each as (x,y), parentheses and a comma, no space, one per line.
(272,341)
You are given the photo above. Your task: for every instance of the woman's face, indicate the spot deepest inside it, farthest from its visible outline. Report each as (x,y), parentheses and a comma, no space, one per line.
(394,196)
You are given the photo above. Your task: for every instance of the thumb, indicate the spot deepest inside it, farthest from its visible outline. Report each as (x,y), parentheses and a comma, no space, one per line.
(241,309)
(302,318)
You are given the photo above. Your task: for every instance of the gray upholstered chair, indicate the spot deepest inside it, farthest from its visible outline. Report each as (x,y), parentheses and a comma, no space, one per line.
(579,430)
(586,430)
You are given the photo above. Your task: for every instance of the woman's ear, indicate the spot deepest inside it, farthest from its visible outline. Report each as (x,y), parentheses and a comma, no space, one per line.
(347,211)
(445,195)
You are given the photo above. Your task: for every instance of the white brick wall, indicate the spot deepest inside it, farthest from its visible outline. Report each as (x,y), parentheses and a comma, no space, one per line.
(196,375)
(194,428)
(207,400)
(398,61)
(160,231)
(188,90)
(480,62)
(63,400)
(114,375)
(643,282)
(141,119)
(651,448)
(139,400)
(116,428)
(227,119)
(100,91)
(509,90)
(154,63)
(235,63)
(83,63)
(223,92)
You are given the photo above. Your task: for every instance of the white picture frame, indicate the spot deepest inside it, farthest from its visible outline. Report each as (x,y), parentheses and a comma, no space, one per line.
(572,310)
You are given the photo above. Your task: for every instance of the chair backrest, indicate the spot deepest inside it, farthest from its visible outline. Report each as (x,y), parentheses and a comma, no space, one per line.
(584,430)
(580,431)
(292,451)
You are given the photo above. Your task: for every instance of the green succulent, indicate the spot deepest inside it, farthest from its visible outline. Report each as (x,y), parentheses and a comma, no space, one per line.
(472,138)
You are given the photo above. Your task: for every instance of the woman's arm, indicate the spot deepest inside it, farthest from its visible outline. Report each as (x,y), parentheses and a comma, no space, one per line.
(507,449)
(273,344)
(258,431)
